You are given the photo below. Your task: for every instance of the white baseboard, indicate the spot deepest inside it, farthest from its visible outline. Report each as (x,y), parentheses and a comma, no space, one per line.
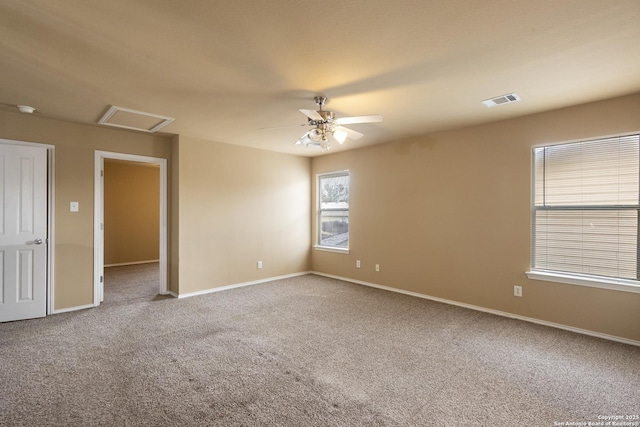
(487,310)
(132,263)
(192,294)
(68,309)
(239,285)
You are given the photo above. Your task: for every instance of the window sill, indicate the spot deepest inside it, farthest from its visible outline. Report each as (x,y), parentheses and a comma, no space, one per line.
(331,249)
(584,280)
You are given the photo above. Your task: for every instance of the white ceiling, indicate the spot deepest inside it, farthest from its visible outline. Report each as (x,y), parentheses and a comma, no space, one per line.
(225,70)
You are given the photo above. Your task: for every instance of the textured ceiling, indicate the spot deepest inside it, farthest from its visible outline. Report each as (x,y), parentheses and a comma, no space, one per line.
(225,70)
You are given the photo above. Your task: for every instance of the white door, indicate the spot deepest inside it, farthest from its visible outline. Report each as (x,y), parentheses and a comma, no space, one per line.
(23,232)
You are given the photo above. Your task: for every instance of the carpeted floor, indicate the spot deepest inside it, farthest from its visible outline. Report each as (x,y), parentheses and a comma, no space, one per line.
(305,351)
(129,282)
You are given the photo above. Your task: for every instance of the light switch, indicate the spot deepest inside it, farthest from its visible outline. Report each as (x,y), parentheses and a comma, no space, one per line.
(73,206)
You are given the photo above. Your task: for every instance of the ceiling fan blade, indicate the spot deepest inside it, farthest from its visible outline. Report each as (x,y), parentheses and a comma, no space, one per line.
(304,139)
(312,114)
(351,134)
(358,119)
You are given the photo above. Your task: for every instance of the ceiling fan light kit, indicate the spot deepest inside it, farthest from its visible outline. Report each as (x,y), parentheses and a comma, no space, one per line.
(326,126)
(315,135)
(340,135)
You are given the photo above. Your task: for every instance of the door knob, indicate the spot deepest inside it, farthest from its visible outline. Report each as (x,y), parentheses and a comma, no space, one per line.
(38,241)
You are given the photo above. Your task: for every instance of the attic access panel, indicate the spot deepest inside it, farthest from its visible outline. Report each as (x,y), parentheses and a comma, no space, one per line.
(126,118)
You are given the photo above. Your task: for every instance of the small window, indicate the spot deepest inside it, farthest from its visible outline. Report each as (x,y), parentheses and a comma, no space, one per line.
(333,210)
(585,210)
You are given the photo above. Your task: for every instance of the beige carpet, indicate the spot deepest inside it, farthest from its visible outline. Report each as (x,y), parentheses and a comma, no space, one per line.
(306,351)
(129,282)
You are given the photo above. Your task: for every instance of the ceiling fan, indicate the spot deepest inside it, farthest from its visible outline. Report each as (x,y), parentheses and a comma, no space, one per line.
(327,127)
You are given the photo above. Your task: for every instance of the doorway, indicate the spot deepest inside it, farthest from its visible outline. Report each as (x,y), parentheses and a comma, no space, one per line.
(128,262)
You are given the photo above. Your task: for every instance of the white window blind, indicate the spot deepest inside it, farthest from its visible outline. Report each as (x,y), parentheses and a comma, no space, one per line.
(585,208)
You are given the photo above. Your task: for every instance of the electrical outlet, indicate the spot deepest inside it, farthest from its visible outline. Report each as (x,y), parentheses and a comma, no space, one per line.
(377,267)
(517,291)
(259,264)
(358,263)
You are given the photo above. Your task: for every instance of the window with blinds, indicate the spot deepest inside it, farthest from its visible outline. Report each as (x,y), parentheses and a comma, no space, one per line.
(585,208)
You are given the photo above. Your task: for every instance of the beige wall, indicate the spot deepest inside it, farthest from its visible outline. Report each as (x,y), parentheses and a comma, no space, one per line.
(229,206)
(131,212)
(448,215)
(75,147)
(236,206)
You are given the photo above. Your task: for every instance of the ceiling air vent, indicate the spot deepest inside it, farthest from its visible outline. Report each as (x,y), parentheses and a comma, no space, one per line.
(135,120)
(499,100)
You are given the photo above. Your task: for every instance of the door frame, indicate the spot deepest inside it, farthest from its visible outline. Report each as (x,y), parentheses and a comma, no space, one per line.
(98,232)
(51,176)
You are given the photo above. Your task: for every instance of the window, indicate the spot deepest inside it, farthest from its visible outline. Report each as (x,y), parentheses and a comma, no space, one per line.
(333,210)
(585,212)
